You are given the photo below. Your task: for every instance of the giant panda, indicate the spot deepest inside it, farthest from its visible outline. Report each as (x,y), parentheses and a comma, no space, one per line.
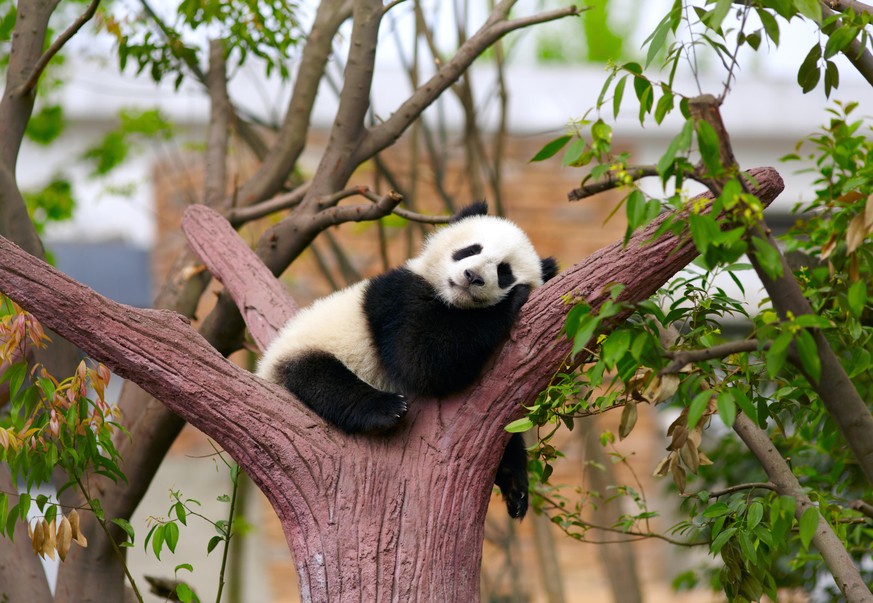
(426,328)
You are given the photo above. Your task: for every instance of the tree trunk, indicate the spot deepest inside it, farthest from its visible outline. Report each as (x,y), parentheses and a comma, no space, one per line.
(396,518)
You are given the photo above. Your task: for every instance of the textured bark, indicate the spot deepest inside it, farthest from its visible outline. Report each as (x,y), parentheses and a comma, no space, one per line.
(393,518)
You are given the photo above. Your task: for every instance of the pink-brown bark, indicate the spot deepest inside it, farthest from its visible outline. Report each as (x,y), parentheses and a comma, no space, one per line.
(396,518)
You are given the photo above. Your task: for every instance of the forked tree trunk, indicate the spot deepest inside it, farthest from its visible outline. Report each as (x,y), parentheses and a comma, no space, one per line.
(396,518)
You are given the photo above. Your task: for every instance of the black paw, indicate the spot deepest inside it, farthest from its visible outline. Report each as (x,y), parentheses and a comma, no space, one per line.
(518,296)
(381,412)
(516,503)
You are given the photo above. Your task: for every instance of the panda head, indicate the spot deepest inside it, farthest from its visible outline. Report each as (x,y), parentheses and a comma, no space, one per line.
(477,259)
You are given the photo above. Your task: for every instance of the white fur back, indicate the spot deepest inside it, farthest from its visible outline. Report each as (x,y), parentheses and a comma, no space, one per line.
(334,324)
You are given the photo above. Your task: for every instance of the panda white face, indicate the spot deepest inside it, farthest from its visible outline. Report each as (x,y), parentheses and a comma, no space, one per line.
(476,262)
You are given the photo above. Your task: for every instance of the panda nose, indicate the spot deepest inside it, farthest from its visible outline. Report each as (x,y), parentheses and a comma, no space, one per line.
(473,278)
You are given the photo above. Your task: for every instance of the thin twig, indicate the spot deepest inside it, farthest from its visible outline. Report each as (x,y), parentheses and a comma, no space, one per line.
(737,488)
(229,529)
(684,357)
(635,535)
(240,215)
(56,46)
(613,179)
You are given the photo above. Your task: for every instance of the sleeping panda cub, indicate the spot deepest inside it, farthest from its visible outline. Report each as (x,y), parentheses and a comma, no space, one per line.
(424,329)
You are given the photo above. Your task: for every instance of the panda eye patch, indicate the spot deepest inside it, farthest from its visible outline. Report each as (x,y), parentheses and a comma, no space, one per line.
(505,277)
(466,252)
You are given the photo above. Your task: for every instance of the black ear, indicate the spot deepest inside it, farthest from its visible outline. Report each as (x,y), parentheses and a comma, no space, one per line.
(549,267)
(479,208)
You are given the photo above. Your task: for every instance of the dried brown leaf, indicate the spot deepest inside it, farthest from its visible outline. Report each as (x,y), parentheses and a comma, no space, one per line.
(855,233)
(38,537)
(65,538)
(628,420)
(663,467)
(679,477)
(690,456)
(680,436)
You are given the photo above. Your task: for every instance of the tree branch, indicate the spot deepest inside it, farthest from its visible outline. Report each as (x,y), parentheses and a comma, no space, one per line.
(219,119)
(496,26)
(613,179)
(291,138)
(683,357)
(833,552)
(56,46)
(240,215)
(843,5)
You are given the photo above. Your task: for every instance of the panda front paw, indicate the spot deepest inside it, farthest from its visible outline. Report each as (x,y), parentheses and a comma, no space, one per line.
(382,412)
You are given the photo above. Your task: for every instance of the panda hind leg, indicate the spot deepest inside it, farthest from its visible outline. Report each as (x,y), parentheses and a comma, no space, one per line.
(512,477)
(338,396)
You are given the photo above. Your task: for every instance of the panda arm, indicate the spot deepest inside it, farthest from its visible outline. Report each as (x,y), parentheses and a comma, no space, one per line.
(337,395)
(426,346)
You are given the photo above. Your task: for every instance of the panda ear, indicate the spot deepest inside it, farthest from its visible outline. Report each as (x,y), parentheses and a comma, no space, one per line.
(479,208)
(549,268)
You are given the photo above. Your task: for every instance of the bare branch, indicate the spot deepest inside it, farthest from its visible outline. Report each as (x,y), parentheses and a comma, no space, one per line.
(240,215)
(494,28)
(291,138)
(357,213)
(843,5)
(56,46)
(613,179)
(833,552)
(862,507)
(737,488)
(684,357)
(219,118)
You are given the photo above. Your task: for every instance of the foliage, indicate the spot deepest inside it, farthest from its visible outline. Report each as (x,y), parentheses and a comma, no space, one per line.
(68,425)
(268,30)
(48,425)
(771,379)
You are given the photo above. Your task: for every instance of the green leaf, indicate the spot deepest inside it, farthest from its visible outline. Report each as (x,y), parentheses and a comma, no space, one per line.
(551,148)
(721,540)
(574,152)
(184,566)
(657,39)
(158,540)
(809,74)
(715,17)
(810,9)
(184,593)
(754,515)
(125,525)
(697,406)
(771,27)
(727,410)
(213,542)
(808,526)
(46,125)
(15,375)
(171,535)
(808,352)
(856,297)
(181,513)
(519,425)
(617,96)
(708,144)
(832,77)
(839,39)
(768,256)
(777,354)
